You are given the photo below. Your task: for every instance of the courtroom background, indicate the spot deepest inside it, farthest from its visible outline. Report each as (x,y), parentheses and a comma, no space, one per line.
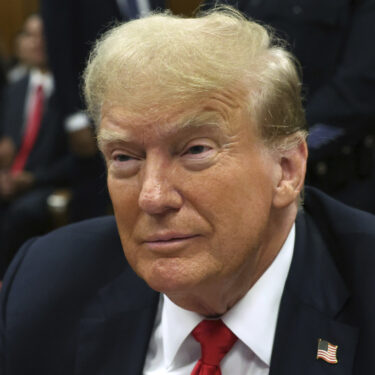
(14,12)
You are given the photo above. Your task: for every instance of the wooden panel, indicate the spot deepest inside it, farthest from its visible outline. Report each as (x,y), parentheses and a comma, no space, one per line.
(186,7)
(12,15)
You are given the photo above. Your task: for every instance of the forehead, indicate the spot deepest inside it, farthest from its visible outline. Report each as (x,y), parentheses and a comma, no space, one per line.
(33,25)
(121,126)
(224,112)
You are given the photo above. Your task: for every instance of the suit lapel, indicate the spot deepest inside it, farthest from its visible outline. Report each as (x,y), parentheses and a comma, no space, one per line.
(116,327)
(313,299)
(16,117)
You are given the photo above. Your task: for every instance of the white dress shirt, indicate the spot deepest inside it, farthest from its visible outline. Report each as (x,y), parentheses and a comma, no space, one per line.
(173,350)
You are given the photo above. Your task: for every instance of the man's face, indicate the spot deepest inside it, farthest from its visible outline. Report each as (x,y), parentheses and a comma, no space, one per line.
(31,43)
(192,193)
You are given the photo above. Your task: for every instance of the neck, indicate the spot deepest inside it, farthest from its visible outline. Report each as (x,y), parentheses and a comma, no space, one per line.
(41,68)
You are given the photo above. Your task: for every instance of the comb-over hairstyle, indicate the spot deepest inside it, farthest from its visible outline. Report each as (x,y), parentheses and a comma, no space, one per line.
(162,60)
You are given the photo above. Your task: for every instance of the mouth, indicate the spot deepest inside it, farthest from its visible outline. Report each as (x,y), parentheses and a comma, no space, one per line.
(168,241)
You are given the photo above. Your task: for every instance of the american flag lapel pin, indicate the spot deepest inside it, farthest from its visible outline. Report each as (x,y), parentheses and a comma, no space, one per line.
(327,351)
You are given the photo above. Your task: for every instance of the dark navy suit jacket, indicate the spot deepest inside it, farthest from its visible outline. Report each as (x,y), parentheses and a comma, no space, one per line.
(71,304)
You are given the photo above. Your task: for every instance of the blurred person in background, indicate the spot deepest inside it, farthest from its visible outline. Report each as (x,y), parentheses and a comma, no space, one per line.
(330,40)
(33,148)
(20,65)
(71,27)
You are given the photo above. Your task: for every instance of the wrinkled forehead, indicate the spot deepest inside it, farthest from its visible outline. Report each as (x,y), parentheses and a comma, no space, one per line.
(150,96)
(118,125)
(219,108)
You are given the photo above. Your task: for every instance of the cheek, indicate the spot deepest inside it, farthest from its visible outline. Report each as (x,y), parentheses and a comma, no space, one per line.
(121,190)
(237,206)
(124,197)
(240,195)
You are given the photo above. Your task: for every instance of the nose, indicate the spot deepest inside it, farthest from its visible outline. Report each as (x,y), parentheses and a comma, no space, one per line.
(158,193)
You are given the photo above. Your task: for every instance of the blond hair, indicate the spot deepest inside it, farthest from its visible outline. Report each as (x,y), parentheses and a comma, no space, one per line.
(163,60)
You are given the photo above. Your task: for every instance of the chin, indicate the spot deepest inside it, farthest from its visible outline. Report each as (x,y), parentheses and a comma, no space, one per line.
(169,276)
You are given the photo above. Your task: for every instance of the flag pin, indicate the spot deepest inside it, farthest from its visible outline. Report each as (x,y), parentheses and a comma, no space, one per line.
(327,351)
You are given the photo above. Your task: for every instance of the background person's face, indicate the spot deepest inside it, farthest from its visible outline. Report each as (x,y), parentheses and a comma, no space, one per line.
(192,203)
(32,43)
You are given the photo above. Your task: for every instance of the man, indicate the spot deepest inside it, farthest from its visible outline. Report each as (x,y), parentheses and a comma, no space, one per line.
(33,149)
(202,129)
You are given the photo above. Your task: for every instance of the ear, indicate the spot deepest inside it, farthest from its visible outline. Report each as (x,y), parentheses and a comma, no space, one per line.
(292,164)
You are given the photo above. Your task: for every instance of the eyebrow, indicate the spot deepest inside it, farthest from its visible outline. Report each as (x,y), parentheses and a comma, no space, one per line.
(109,136)
(206,120)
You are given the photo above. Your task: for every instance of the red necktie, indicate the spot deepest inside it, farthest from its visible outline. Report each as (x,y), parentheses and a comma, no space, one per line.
(31,131)
(216,340)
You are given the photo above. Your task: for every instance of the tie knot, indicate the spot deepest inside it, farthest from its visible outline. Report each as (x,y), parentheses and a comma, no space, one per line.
(216,340)
(38,98)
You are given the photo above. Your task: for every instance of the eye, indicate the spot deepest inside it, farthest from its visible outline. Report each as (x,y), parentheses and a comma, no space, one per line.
(198,149)
(122,158)
(123,165)
(199,154)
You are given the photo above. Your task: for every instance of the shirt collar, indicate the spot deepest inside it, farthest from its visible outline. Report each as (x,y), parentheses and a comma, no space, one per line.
(177,323)
(253,319)
(45,79)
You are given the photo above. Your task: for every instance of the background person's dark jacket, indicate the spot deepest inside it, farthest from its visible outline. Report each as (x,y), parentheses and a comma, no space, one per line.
(49,159)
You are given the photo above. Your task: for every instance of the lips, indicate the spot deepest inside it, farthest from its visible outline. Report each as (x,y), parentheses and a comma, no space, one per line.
(167,237)
(168,241)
